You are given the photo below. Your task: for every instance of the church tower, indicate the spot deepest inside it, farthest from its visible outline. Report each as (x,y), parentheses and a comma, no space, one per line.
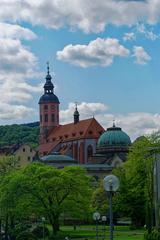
(48,108)
(76,115)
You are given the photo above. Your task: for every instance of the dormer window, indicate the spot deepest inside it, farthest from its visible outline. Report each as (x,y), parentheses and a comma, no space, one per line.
(90,132)
(60,137)
(73,134)
(80,132)
(66,136)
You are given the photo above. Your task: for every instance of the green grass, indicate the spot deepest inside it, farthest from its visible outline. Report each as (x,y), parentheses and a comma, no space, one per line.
(89,232)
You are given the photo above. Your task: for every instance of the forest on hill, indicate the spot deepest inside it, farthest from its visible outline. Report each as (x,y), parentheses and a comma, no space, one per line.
(19,134)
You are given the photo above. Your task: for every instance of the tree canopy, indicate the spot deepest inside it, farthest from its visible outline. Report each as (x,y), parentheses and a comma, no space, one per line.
(42,190)
(134,198)
(19,134)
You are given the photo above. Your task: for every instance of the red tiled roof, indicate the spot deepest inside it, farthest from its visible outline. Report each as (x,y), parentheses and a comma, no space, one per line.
(47,147)
(88,128)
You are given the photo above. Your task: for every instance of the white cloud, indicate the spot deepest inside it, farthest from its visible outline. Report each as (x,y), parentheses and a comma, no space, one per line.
(86,110)
(15,31)
(87,15)
(142,57)
(149,34)
(15,57)
(18,64)
(129,36)
(97,52)
(134,124)
(14,112)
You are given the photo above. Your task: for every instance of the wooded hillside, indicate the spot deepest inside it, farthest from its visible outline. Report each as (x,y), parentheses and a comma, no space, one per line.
(23,133)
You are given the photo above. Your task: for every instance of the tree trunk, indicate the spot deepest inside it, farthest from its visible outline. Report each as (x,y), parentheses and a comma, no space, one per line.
(6,227)
(55,225)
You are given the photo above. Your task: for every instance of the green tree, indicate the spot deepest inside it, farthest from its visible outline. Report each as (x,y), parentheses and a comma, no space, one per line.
(136,177)
(134,198)
(8,166)
(52,190)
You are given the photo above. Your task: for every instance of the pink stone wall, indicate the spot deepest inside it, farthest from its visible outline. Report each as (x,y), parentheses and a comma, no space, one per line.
(52,111)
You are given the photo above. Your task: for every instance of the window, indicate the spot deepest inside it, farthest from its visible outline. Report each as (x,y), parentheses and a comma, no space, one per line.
(31,150)
(89,151)
(53,118)
(45,107)
(24,149)
(52,107)
(46,117)
(29,158)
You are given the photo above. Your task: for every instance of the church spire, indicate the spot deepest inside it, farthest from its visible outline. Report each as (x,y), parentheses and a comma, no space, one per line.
(48,86)
(76,114)
(47,68)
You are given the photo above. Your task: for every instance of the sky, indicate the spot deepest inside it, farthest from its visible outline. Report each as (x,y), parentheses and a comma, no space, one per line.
(103,54)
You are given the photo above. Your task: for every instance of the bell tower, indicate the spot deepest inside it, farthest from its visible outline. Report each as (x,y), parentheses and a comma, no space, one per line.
(76,114)
(48,108)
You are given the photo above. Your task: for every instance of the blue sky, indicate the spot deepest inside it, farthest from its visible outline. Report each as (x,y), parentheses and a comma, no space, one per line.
(104,55)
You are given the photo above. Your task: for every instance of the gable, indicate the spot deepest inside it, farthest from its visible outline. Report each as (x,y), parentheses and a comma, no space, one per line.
(88,128)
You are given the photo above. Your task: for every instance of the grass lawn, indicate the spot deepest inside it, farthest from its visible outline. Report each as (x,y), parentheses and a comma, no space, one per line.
(88,232)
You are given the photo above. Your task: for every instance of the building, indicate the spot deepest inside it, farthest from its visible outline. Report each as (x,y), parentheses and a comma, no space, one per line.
(77,139)
(81,142)
(24,152)
(112,147)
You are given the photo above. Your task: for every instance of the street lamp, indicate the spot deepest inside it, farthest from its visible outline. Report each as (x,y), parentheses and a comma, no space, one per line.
(96,217)
(43,221)
(104,219)
(111,185)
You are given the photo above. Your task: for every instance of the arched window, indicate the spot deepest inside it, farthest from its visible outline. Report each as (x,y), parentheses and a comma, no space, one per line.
(45,107)
(46,117)
(53,118)
(89,152)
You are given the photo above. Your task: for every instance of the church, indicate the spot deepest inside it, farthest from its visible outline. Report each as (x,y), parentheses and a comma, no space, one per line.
(83,142)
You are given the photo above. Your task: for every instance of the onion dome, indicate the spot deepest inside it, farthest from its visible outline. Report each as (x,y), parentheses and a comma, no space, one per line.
(113,137)
(48,95)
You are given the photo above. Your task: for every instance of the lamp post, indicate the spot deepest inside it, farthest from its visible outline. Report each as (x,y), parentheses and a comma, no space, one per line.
(96,217)
(111,185)
(43,221)
(104,219)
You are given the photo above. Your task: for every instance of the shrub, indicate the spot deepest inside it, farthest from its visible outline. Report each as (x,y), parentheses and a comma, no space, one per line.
(153,235)
(59,236)
(19,228)
(38,231)
(26,236)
